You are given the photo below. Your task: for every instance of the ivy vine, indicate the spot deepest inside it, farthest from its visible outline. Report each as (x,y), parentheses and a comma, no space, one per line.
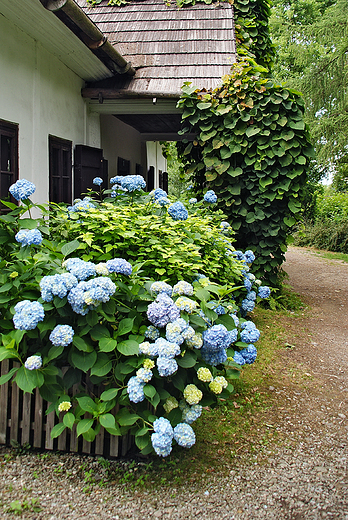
(252,148)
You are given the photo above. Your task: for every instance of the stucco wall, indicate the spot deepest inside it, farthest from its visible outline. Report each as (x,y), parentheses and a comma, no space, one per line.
(43,96)
(121,140)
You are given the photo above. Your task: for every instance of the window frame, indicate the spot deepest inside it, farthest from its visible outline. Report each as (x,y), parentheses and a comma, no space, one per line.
(9,129)
(63,146)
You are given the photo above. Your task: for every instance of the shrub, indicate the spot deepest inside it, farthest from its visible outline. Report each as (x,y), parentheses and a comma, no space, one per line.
(174,347)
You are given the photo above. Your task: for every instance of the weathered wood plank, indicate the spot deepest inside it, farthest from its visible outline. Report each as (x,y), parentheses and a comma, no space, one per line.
(38,421)
(14,411)
(25,423)
(5,366)
(50,419)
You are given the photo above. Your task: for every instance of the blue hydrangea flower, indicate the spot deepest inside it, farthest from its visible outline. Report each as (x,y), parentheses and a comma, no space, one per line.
(224,225)
(27,315)
(144,374)
(158,193)
(250,335)
(184,435)
(162,311)
(57,285)
(219,310)
(62,335)
(193,200)
(216,338)
(161,444)
(116,180)
(247,284)
(175,329)
(28,237)
(162,201)
(183,288)
(120,266)
(82,205)
(79,268)
(238,358)
(166,366)
(98,181)
(152,333)
(33,363)
(185,304)
(163,426)
(22,189)
(264,291)
(210,197)
(196,341)
(178,211)
(166,348)
(248,305)
(133,182)
(213,358)
(233,335)
(135,390)
(190,413)
(251,296)
(235,319)
(161,287)
(239,255)
(249,354)
(88,295)
(249,256)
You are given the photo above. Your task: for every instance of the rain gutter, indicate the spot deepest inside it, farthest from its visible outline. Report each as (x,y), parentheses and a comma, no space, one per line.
(79,23)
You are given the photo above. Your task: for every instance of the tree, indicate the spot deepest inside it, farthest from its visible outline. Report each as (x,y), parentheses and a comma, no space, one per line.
(311,38)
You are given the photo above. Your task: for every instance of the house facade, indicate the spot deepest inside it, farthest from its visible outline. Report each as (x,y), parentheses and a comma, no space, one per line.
(87,92)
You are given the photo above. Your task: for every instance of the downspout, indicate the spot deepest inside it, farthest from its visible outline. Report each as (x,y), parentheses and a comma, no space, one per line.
(91,35)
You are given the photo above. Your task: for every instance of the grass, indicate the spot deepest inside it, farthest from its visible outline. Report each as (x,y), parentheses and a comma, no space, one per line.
(333,256)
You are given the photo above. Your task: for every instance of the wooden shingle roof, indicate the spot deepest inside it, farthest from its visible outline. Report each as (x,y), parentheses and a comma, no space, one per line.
(166,45)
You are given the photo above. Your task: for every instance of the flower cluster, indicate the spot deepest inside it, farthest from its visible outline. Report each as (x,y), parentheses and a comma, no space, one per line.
(64,406)
(119,265)
(27,315)
(79,268)
(210,197)
(162,437)
(62,335)
(135,389)
(116,180)
(57,285)
(97,181)
(33,363)
(246,355)
(183,288)
(152,333)
(192,394)
(28,237)
(250,333)
(88,295)
(133,182)
(22,189)
(165,351)
(185,304)
(190,413)
(162,311)
(178,331)
(264,291)
(81,205)
(178,211)
(161,287)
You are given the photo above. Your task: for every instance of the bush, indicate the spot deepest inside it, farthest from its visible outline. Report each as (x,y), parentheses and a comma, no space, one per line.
(174,347)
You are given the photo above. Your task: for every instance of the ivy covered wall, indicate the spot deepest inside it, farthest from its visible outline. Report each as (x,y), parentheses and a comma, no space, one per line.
(252,146)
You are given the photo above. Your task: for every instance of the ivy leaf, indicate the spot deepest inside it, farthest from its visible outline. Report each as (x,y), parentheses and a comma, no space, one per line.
(252,130)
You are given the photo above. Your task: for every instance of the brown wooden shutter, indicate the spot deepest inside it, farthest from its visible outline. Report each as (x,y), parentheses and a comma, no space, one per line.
(88,164)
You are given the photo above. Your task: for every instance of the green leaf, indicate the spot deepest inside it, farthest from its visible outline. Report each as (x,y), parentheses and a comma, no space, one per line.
(102,366)
(128,419)
(70,247)
(69,419)
(143,441)
(6,377)
(8,353)
(291,221)
(128,347)
(107,344)
(235,172)
(27,380)
(89,435)
(125,326)
(83,360)
(252,130)
(188,361)
(57,430)
(83,426)
(149,391)
(87,404)
(53,353)
(81,344)
(99,332)
(110,394)
(107,421)
(203,105)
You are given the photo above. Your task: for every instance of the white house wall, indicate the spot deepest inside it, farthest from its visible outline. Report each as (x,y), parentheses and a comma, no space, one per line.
(121,140)
(155,158)
(43,96)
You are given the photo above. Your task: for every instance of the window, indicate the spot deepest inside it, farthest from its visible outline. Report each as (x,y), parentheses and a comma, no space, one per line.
(8,158)
(60,170)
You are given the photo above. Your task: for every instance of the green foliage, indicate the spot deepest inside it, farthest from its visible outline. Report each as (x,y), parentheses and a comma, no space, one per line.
(108,330)
(177,184)
(162,248)
(311,38)
(253,149)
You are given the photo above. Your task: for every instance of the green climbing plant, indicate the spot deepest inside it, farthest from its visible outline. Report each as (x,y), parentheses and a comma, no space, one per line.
(252,148)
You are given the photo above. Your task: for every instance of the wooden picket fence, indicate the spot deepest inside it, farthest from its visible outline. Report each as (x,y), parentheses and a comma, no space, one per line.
(23,420)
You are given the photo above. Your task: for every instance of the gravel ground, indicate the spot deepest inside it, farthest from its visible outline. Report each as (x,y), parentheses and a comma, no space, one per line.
(304,476)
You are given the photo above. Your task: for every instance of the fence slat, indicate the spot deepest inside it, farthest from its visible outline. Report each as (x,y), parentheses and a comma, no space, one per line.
(49,425)
(5,366)
(38,420)
(14,410)
(25,423)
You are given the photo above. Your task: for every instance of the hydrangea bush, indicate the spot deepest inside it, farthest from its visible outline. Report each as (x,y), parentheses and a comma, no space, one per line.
(160,349)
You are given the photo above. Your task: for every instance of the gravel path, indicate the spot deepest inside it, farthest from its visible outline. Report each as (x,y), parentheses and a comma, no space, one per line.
(304,477)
